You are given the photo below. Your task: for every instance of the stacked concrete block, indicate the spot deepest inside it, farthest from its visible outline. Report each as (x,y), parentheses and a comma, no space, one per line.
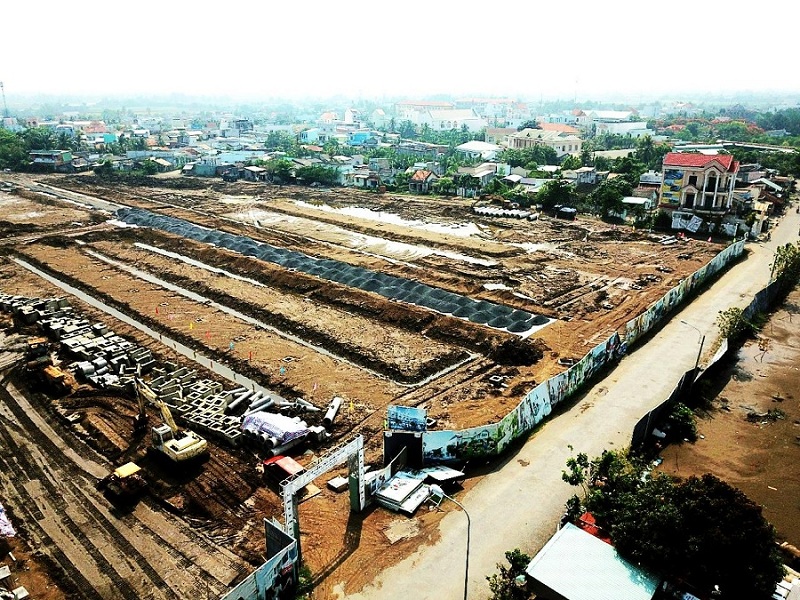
(112,362)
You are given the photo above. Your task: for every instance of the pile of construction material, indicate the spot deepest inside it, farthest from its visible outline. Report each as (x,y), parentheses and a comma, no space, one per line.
(99,356)
(493,211)
(403,493)
(196,402)
(278,433)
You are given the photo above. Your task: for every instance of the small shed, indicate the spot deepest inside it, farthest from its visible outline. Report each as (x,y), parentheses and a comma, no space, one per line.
(575,565)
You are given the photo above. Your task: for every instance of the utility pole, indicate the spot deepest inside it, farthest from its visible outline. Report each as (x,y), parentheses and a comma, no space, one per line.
(5,106)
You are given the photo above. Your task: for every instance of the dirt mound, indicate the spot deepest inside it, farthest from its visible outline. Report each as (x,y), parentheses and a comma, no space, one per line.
(518,352)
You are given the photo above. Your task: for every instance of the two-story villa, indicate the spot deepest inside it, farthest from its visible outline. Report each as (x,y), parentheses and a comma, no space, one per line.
(698,183)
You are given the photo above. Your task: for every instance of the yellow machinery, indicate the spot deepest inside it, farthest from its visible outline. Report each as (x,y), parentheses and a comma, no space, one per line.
(176,444)
(124,484)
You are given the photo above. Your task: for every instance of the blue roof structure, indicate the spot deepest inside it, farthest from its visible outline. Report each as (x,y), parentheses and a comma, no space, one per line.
(575,565)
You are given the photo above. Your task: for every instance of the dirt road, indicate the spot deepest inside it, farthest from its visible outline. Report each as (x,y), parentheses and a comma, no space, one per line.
(104,553)
(530,481)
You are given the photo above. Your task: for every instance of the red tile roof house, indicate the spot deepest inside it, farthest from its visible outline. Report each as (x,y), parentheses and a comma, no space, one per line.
(700,184)
(421,182)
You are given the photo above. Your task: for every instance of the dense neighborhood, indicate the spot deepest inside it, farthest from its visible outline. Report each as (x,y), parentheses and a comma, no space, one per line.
(499,151)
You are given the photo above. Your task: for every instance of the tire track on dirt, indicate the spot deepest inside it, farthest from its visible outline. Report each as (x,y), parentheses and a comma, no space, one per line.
(95,520)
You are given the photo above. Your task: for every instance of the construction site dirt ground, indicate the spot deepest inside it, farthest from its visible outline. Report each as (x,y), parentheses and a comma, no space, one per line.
(315,339)
(750,435)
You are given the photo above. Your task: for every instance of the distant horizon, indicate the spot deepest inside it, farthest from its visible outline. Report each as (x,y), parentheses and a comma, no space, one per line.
(142,100)
(310,50)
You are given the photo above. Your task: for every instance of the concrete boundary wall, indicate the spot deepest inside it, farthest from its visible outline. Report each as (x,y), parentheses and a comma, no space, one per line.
(538,403)
(762,301)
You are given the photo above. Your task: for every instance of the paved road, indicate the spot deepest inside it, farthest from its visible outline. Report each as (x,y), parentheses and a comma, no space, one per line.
(519,504)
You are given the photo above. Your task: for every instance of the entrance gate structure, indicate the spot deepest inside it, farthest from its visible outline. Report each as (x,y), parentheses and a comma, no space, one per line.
(353,453)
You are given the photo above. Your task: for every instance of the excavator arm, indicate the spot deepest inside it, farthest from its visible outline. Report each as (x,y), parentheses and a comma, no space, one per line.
(167,414)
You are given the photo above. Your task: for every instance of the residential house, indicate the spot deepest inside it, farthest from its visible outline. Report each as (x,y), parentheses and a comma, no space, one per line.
(651,179)
(749,173)
(562,128)
(59,161)
(363,177)
(378,118)
(363,138)
(698,183)
(531,185)
(633,129)
(576,565)
(422,182)
(471,180)
(314,135)
(442,120)
(254,173)
(382,168)
(476,149)
(11,124)
(410,110)
(634,205)
(162,164)
(352,116)
(561,143)
(498,135)
(431,165)
(585,176)
(421,149)
(496,111)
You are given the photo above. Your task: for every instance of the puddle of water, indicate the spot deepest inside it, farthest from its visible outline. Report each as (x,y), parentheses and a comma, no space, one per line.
(456,229)
(496,286)
(371,245)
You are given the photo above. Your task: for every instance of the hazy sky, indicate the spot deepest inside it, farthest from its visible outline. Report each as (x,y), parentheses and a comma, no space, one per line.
(290,48)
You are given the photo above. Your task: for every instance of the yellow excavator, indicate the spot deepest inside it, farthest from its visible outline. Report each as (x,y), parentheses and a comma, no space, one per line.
(178,445)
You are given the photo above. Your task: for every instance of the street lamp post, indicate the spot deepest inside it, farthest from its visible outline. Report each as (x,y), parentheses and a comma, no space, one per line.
(699,352)
(440,492)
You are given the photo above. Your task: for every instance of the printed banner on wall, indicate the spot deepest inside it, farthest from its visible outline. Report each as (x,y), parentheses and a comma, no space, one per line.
(407,418)
(460,445)
(442,446)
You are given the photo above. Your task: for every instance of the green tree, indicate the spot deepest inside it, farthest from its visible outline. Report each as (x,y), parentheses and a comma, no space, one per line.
(700,530)
(508,584)
(786,264)
(683,423)
(401,181)
(104,170)
(13,154)
(607,197)
(570,162)
(318,174)
(554,192)
(732,323)
(540,155)
(39,138)
(279,170)
(332,147)
(148,167)
(407,130)
(587,158)
(444,185)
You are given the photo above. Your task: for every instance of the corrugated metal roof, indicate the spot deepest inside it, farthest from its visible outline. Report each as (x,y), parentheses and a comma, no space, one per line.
(578,566)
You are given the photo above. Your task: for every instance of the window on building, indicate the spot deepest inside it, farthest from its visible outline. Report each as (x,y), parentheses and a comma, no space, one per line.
(689,201)
(693,180)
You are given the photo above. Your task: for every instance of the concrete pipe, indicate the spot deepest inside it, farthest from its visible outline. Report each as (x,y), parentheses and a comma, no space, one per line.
(333,409)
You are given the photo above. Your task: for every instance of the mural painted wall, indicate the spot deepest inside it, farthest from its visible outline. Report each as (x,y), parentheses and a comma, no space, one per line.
(494,438)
